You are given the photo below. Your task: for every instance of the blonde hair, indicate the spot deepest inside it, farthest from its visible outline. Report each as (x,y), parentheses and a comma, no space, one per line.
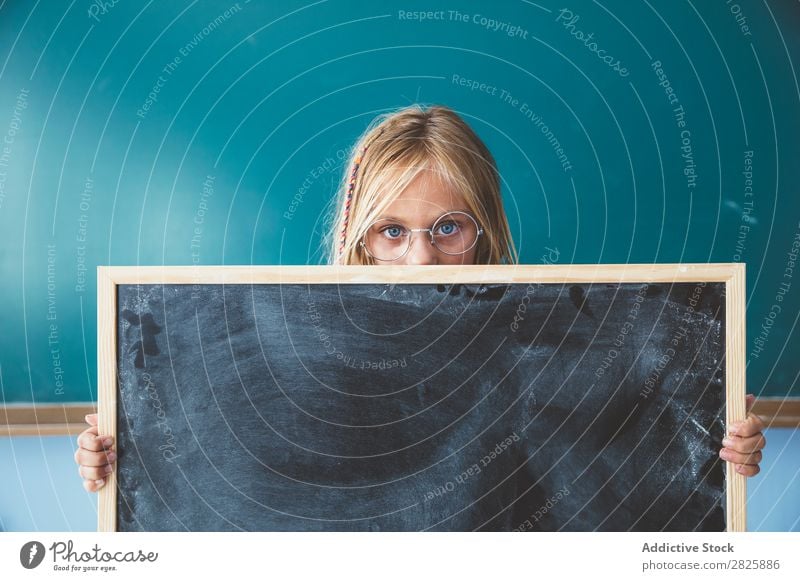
(391,153)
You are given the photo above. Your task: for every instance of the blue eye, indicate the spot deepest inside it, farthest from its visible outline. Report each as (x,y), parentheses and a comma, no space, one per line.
(448,228)
(393,232)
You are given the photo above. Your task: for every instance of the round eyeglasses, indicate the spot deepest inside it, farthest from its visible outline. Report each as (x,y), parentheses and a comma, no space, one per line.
(452,233)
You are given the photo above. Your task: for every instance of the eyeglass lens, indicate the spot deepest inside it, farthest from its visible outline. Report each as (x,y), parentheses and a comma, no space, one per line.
(452,233)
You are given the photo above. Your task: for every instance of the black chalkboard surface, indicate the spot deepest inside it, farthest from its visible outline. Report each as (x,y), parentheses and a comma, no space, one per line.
(409,407)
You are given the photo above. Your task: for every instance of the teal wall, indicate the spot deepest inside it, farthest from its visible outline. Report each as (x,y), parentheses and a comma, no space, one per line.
(256,102)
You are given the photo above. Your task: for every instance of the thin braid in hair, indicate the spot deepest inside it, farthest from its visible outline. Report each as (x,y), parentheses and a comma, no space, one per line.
(350,187)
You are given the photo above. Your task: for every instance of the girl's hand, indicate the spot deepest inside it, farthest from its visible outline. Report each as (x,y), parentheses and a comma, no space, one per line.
(94,456)
(744,443)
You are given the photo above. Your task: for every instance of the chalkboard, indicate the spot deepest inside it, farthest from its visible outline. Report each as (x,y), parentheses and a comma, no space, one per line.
(237,156)
(391,405)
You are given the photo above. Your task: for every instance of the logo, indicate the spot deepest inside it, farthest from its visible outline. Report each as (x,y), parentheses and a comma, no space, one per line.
(31,554)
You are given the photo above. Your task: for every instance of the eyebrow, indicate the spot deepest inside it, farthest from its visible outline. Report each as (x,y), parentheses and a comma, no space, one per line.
(464,210)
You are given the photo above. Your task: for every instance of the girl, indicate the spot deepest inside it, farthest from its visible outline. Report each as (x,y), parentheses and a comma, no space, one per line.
(421,188)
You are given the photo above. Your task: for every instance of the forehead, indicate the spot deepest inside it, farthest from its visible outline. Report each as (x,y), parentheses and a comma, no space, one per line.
(426,198)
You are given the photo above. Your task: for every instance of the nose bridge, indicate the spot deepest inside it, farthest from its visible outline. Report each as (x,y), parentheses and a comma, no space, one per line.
(421,251)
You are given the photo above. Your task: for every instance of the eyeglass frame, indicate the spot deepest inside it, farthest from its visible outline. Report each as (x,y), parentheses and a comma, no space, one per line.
(430,232)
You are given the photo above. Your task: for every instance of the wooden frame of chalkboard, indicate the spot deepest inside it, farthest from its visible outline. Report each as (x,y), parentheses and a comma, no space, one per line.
(732,275)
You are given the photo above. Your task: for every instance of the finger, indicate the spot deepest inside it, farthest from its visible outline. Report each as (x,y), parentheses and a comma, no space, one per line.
(89,440)
(738,458)
(747,470)
(87,458)
(93,485)
(751,426)
(745,445)
(749,400)
(95,473)
(91,419)
(86,434)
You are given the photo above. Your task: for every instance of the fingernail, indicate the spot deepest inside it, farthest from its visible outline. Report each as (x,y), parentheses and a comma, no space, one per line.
(727,442)
(724,454)
(107,442)
(733,429)
(109,468)
(100,483)
(112,456)
(739,468)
